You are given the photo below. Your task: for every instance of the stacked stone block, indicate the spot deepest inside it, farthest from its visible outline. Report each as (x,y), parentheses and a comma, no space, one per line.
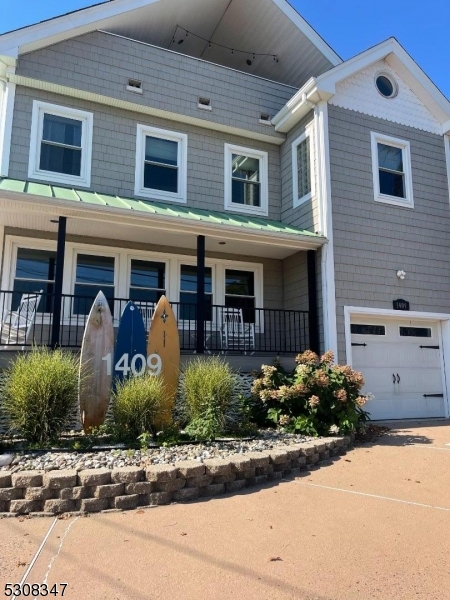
(95,490)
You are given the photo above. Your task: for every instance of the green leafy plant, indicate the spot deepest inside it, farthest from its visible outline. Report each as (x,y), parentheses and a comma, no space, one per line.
(144,439)
(209,395)
(40,390)
(137,405)
(316,398)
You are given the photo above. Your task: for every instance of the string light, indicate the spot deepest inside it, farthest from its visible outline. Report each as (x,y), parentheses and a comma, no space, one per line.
(211,44)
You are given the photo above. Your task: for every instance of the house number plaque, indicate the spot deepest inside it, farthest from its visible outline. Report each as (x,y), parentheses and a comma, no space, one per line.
(400,304)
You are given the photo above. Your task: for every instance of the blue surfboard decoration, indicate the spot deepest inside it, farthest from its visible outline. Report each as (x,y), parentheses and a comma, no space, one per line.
(130,355)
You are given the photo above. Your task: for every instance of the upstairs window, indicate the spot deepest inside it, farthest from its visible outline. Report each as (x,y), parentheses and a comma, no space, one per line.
(161,158)
(391,163)
(246,182)
(61,145)
(302,168)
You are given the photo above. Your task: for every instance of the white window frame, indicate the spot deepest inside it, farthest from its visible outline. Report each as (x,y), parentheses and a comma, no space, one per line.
(122,269)
(308,133)
(263,158)
(378,138)
(182,140)
(37,125)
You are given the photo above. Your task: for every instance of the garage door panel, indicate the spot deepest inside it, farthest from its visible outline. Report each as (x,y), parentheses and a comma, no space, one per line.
(417,371)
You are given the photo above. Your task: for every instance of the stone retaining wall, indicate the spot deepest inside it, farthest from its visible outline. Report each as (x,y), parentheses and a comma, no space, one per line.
(94,490)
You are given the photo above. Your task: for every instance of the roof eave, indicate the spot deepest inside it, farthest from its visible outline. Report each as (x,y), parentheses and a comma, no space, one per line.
(171,223)
(323,87)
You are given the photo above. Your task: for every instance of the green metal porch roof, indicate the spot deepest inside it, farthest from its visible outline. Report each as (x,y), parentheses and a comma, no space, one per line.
(83,197)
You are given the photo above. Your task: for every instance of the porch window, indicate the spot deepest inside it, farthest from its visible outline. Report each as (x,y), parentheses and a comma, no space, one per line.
(35,271)
(240,292)
(61,144)
(161,158)
(93,274)
(188,293)
(147,281)
(246,180)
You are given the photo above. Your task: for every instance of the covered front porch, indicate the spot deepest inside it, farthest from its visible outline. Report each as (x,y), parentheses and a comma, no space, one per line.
(238,285)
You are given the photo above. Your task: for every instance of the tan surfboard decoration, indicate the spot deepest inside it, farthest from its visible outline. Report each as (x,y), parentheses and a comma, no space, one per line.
(95,375)
(163,350)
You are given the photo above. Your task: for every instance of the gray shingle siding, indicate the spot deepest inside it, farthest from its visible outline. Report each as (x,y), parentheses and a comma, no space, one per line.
(103,63)
(114,149)
(373,240)
(305,216)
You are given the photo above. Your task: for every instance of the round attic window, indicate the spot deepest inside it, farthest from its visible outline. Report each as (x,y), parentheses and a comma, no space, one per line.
(386,86)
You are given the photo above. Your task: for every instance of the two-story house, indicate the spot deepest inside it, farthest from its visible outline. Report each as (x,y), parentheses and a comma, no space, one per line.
(222,154)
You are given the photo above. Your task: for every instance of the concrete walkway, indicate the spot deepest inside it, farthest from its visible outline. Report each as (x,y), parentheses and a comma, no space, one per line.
(375,524)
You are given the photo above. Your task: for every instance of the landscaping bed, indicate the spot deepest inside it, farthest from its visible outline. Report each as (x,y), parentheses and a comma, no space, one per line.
(93,490)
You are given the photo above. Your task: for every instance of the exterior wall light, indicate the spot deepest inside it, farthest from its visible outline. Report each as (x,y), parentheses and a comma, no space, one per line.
(401,275)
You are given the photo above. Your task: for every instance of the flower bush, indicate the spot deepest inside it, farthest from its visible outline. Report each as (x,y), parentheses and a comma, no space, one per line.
(316,398)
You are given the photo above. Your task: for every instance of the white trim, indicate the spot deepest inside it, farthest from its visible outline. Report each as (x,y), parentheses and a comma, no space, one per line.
(6,123)
(37,123)
(447,159)
(307,134)
(324,86)
(309,32)
(174,136)
(88,19)
(325,202)
(391,80)
(408,201)
(64,90)
(263,157)
(444,337)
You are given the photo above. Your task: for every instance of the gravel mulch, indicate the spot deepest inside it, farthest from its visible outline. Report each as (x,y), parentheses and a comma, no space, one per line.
(110,459)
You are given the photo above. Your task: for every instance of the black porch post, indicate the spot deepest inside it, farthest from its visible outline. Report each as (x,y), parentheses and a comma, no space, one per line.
(201,294)
(312,297)
(57,303)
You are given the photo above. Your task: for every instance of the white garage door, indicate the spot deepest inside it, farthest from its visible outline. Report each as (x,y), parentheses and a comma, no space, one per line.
(401,364)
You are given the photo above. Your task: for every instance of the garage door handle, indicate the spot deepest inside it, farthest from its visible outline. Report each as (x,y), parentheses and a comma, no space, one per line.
(433,395)
(398,378)
(393,378)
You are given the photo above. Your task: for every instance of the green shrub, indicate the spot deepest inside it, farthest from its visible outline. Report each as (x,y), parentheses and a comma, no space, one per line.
(209,395)
(40,390)
(137,405)
(317,398)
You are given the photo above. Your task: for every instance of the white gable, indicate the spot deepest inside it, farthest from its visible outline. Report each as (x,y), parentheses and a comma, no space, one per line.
(359,93)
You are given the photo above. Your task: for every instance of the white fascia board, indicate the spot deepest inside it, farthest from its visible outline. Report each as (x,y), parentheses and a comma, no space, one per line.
(310,33)
(323,87)
(65,26)
(155,221)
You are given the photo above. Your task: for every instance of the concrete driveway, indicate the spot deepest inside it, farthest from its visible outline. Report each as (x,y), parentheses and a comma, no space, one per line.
(373,524)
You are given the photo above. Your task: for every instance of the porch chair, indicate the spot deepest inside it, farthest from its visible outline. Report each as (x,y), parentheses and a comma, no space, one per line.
(16,326)
(235,334)
(147,309)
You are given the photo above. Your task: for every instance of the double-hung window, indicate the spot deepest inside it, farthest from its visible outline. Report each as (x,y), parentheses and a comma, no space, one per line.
(302,168)
(61,144)
(188,293)
(35,272)
(94,273)
(147,281)
(161,164)
(391,164)
(246,180)
(240,292)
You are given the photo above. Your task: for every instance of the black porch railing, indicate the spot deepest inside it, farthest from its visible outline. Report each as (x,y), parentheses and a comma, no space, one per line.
(28,320)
